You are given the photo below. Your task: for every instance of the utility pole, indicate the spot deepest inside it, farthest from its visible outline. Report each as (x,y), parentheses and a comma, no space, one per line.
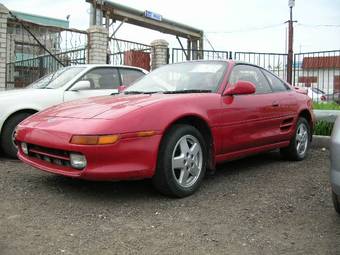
(291,4)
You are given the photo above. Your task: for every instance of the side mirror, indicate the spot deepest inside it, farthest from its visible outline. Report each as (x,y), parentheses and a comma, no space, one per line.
(241,88)
(81,85)
(301,90)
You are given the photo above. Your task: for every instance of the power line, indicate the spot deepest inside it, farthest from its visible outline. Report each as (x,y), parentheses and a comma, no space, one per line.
(271,26)
(212,47)
(245,29)
(318,25)
(206,38)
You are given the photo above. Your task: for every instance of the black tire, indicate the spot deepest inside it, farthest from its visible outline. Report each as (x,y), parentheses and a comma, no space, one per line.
(291,152)
(7,145)
(336,202)
(165,179)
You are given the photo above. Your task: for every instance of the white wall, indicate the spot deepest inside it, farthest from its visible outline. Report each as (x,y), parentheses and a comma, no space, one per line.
(325,78)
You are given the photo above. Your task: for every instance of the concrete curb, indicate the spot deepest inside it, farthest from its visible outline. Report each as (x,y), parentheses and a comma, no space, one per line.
(320,141)
(326,115)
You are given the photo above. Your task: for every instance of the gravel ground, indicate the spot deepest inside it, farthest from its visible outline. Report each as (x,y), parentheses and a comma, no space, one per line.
(258,205)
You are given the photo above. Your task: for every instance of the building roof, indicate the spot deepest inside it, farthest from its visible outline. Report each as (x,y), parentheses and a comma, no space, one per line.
(321,62)
(42,20)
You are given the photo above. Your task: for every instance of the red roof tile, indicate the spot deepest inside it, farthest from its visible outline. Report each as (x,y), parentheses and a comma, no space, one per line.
(321,62)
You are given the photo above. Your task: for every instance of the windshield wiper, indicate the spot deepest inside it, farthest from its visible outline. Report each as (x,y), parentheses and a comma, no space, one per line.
(188,91)
(49,81)
(140,92)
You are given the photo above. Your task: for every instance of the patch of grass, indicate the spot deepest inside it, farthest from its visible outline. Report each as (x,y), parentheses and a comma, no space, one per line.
(326,106)
(323,128)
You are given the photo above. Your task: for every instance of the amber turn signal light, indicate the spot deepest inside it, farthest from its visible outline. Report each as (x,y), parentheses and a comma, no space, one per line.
(107,139)
(146,133)
(94,139)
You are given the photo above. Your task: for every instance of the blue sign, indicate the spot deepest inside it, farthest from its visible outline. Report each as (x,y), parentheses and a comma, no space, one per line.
(152,15)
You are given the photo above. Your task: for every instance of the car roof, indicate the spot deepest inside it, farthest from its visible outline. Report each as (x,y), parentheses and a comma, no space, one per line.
(229,61)
(108,65)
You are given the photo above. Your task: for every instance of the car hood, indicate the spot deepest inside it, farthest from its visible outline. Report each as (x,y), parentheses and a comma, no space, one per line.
(94,107)
(15,92)
(26,94)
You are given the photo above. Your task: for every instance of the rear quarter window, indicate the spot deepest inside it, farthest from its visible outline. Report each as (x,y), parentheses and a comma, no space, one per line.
(276,84)
(129,76)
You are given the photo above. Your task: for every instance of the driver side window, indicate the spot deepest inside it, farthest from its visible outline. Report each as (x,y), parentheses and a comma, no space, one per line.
(251,74)
(102,78)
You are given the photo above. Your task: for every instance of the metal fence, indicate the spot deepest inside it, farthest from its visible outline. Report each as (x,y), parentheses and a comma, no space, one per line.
(180,55)
(320,73)
(34,50)
(275,62)
(124,52)
(22,73)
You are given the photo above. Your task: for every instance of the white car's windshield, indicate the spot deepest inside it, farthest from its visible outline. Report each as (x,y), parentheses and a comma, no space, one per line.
(186,77)
(318,91)
(57,79)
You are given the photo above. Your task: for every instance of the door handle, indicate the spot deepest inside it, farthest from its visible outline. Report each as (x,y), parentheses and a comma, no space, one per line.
(275,104)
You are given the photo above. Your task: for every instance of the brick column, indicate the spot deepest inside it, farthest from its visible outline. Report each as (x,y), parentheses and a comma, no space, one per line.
(97,45)
(159,53)
(3,45)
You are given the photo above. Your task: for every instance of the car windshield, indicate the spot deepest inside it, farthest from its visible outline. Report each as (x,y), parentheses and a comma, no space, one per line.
(189,77)
(57,79)
(318,91)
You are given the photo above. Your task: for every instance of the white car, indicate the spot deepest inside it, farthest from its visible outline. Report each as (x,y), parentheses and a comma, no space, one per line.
(317,95)
(68,83)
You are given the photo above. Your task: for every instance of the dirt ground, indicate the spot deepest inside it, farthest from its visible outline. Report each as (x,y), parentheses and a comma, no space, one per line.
(257,205)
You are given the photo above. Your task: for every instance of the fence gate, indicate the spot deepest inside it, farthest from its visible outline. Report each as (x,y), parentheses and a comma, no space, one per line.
(180,55)
(318,70)
(124,52)
(30,57)
(275,62)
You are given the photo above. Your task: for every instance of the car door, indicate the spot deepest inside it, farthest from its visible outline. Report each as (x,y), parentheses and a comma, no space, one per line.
(286,106)
(248,120)
(101,81)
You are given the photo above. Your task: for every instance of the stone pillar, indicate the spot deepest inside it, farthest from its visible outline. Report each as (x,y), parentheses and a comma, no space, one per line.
(97,45)
(159,53)
(3,45)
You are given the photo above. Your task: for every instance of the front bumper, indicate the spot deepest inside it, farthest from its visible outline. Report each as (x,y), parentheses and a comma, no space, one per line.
(335,158)
(335,166)
(129,158)
(335,181)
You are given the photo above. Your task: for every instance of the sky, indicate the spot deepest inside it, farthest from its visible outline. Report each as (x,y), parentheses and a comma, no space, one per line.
(232,25)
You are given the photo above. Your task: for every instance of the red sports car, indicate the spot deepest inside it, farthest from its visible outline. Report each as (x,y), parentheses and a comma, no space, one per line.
(171,126)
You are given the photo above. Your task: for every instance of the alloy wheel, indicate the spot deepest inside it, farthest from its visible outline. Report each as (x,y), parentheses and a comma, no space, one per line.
(301,139)
(187,161)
